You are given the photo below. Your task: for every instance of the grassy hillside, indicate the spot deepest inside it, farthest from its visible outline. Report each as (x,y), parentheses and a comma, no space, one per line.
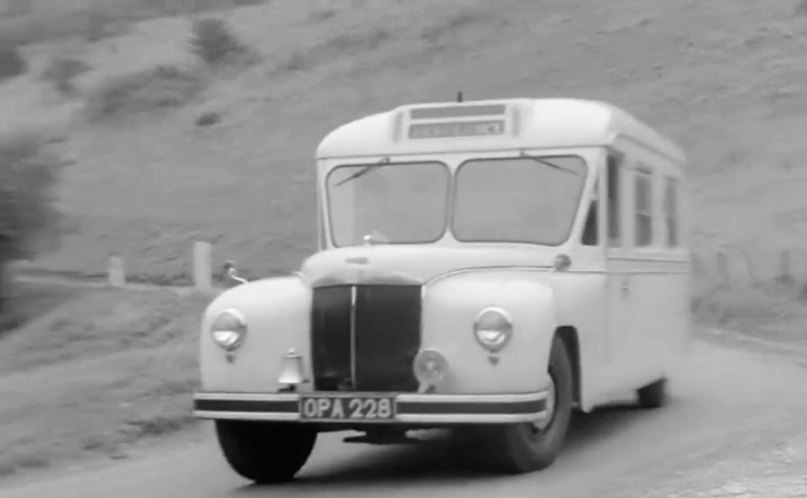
(723,77)
(93,372)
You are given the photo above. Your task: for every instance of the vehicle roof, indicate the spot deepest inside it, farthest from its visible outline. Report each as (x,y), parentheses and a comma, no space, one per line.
(541,123)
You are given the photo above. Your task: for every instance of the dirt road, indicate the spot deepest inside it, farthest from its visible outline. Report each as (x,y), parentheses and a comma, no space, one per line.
(727,403)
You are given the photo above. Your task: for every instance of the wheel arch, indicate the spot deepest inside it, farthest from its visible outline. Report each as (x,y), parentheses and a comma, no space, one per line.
(568,335)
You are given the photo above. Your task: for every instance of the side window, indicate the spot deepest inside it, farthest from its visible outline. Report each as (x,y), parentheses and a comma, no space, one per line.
(671,212)
(643,208)
(590,230)
(614,233)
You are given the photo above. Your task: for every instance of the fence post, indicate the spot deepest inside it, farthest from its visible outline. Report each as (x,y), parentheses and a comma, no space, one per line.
(202,266)
(698,268)
(116,271)
(723,267)
(785,276)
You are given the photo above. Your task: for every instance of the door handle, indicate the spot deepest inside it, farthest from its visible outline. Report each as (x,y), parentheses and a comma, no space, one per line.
(625,286)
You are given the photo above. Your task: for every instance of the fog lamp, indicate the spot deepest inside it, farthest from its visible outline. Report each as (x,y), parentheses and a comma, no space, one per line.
(229,329)
(493,329)
(430,367)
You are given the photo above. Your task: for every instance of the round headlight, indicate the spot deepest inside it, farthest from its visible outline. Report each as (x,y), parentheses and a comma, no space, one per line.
(229,329)
(493,329)
(430,367)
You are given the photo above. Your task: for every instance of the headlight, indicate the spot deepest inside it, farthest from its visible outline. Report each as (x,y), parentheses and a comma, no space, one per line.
(493,329)
(229,329)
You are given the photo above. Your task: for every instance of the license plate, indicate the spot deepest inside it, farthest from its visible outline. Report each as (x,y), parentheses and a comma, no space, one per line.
(324,408)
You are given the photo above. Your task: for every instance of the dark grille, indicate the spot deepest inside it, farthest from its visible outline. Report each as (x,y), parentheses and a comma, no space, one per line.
(387,338)
(330,337)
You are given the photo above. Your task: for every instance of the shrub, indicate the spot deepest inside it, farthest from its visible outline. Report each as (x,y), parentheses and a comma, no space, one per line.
(214,43)
(322,15)
(62,71)
(98,25)
(208,118)
(365,40)
(11,61)
(161,87)
(294,62)
(29,220)
(29,171)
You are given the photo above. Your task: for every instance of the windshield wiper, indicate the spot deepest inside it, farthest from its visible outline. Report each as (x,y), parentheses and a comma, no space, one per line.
(550,164)
(364,171)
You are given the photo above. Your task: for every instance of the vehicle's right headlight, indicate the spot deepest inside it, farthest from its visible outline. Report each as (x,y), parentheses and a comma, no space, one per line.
(493,329)
(229,329)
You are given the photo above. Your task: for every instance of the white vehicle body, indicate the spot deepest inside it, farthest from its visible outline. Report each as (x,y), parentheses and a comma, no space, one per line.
(384,327)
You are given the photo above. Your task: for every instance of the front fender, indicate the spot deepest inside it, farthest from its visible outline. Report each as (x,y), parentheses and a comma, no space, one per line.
(452,304)
(276,311)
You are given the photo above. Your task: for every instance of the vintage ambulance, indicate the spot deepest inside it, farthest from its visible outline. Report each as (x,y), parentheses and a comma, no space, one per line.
(486,267)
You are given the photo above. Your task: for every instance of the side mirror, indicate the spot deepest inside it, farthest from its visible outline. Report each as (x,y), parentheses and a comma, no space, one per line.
(232,273)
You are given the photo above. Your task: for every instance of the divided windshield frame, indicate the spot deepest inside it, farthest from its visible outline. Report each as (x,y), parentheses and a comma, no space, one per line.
(450,196)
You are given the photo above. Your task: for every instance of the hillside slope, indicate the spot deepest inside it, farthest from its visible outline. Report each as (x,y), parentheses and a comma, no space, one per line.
(722,77)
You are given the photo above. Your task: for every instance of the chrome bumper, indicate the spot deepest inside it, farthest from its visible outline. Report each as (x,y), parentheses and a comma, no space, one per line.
(409,408)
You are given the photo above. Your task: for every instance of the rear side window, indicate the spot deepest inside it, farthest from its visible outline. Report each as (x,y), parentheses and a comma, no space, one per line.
(671,212)
(614,194)
(643,208)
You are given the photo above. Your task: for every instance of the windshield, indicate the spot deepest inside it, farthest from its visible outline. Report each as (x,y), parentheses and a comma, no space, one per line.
(523,199)
(394,203)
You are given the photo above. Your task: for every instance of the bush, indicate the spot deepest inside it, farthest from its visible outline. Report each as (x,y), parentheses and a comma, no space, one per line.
(161,87)
(28,172)
(62,71)
(209,118)
(11,61)
(214,43)
(29,220)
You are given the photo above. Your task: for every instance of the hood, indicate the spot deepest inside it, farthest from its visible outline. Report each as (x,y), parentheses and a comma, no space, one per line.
(417,264)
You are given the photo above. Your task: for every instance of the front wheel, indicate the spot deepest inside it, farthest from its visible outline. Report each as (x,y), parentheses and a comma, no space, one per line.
(265,452)
(528,447)
(653,395)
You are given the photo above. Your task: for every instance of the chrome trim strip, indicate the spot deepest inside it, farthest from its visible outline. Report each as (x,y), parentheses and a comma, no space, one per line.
(546,269)
(452,273)
(399,397)
(353,298)
(470,398)
(470,419)
(283,417)
(231,396)
(407,419)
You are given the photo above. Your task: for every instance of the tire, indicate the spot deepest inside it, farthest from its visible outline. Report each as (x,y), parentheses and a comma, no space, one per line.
(522,448)
(653,395)
(265,452)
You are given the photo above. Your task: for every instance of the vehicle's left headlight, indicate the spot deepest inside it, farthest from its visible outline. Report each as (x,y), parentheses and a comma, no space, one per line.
(229,329)
(493,329)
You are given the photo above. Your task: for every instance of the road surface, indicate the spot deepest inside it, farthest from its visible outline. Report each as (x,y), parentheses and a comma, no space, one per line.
(724,402)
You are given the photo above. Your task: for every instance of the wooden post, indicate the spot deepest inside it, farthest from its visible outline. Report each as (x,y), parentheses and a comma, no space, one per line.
(698,270)
(785,271)
(723,267)
(202,266)
(116,271)
(5,284)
